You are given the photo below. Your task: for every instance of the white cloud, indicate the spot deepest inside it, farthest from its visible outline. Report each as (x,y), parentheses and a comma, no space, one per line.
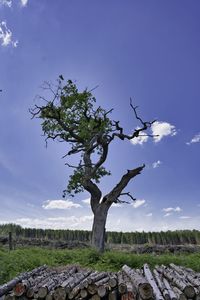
(86,201)
(167,215)
(24,2)
(195,139)
(172,209)
(6,2)
(83,222)
(149,215)
(138,203)
(9,2)
(60,204)
(116,205)
(6,36)
(139,140)
(162,129)
(156,164)
(159,130)
(184,217)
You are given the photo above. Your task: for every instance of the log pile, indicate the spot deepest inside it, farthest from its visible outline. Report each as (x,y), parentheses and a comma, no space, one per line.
(72,282)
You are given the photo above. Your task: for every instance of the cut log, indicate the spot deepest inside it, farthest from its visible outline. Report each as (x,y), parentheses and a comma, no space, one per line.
(98,276)
(170,290)
(5,288)
(143,287)
(91,289)
(87,280)
(49,296)
(183,285)
(95,297)
(179,294)
(42,292)
(78,297)
(77,279)
(112,282)
(152,282)
(193,280)
(102,281)
(30,292)
(84,293)
(59,293)
(75,291)
(113,295)
(65,283)
(122,288)
(47,287)
(102,290)
(177,269)
(130,293)
(10,297)
(164,283)
(161,285)
(21,287)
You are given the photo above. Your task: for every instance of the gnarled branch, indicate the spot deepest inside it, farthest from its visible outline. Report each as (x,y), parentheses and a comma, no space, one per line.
(118,189)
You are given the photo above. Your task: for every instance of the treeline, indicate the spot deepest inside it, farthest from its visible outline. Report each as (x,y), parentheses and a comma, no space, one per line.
(177,237)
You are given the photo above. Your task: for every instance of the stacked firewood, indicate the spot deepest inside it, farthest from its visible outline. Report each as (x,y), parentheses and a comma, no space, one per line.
(72,282)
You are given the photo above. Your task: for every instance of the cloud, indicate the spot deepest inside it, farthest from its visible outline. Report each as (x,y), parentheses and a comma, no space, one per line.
(24,2)
(60,204)
(6,2)
(86,201)
(9,2)
(149,215)
(57,222)
(6,36)
(162,129)
(184,217)
(195,139)
(159,130)
(138,203)
(167,215)
(116,205)
(156,164)
(172,209)
(140,139)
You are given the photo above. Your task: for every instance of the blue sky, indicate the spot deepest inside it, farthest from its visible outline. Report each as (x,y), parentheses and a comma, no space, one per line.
(147,50)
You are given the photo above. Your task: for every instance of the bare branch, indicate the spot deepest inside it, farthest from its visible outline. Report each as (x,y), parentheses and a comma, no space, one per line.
(129,195)
(94,88)
(121,135)
(71,166)
(117,190)
(121,201)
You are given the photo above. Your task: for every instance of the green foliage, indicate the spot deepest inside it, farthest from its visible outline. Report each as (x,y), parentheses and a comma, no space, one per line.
(76,111)
(71,116)
(21,260)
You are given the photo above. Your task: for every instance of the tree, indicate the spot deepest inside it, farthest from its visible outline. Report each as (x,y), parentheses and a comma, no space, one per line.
(71,116)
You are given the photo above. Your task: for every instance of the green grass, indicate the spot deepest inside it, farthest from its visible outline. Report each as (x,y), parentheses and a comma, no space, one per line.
(20,260)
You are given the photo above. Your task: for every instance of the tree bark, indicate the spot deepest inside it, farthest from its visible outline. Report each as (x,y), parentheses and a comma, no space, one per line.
(98,228)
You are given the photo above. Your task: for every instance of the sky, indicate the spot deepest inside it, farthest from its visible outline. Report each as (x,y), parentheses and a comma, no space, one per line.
(146,50)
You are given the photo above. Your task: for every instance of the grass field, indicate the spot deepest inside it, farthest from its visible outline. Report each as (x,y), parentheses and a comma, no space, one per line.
(17,261)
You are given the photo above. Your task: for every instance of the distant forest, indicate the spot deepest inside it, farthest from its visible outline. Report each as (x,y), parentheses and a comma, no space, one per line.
(177,237)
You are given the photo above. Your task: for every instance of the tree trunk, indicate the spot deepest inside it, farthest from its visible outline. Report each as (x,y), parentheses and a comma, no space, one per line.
(98,228)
